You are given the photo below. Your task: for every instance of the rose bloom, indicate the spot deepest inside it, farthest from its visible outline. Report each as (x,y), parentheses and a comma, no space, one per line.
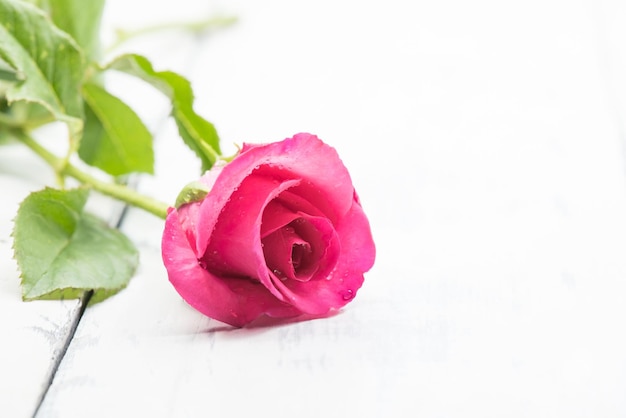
(280,233)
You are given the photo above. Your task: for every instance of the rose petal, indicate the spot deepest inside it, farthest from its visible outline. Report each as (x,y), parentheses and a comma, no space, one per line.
(325,184)
(317,297)
(230,300)
(188,214)
(278,248)
(356,237)
(211,175)
(276,216)
(325,246)
(312,240)
(297,203)
(235,248)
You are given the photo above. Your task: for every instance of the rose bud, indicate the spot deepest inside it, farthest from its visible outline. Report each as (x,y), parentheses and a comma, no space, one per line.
(278,231)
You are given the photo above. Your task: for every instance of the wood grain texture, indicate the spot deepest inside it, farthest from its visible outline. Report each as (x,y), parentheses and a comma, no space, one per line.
(485,142)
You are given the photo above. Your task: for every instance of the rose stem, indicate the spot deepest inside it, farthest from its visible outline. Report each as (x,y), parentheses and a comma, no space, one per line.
(118,191)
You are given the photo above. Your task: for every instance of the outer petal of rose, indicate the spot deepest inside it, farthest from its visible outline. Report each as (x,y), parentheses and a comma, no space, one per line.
(302,157)
(233,301)
(211,175)
(317,297)
(188,214)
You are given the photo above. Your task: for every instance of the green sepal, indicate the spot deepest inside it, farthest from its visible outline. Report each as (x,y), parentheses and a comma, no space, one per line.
(193,192)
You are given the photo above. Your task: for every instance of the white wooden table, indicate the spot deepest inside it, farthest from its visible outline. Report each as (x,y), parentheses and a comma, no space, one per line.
(487,142)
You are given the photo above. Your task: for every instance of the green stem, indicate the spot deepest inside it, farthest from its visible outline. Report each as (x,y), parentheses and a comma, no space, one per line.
(118,191)
(196,27)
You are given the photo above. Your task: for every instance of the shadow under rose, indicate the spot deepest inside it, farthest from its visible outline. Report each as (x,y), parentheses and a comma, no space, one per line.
(264,322)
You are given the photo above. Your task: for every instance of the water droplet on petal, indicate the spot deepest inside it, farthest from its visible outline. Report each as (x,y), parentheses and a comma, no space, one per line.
(348,294)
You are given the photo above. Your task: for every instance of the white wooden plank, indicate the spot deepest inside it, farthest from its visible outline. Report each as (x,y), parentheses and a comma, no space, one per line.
(34,334)
(484,148)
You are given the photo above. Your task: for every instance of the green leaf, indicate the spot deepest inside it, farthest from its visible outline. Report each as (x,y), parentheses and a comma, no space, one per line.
(62,251)
(9,74)
(80,19)
(49,60)
(115,139)
(198,133)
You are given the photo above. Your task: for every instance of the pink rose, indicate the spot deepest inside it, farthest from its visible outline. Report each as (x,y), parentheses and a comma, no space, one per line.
(280,233)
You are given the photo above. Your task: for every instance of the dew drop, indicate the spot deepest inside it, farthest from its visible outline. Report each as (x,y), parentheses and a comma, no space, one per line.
(348,294)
